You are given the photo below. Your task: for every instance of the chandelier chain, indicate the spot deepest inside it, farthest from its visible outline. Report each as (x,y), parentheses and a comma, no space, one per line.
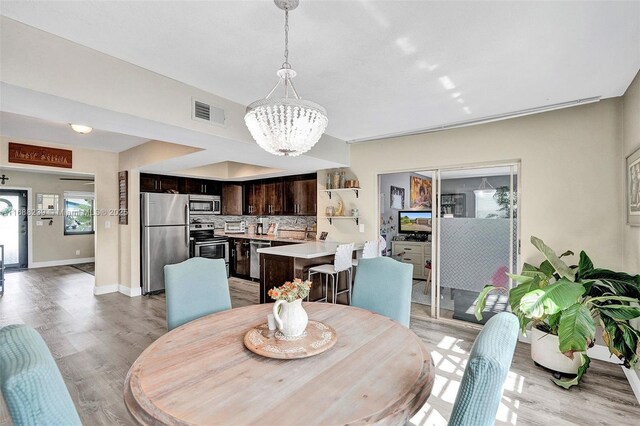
(286,38)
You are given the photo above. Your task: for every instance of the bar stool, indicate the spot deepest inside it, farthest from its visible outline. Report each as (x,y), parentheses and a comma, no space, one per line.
(341,263)
(369,251)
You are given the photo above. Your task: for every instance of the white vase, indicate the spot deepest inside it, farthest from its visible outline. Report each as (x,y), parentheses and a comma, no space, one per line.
(293,319)
(544,351)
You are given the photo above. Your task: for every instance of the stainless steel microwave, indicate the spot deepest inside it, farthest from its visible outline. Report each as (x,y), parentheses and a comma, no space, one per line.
(204,204)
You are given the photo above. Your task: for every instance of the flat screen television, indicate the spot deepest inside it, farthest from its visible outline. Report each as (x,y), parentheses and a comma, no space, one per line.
(414,222)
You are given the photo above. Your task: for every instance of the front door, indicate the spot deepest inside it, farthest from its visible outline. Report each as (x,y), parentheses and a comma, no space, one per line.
(13,227)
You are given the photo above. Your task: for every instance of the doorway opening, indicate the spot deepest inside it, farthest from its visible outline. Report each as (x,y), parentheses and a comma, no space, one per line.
(458,227)
(14,227)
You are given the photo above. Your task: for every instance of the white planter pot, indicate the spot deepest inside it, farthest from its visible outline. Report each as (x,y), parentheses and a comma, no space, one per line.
(544,351)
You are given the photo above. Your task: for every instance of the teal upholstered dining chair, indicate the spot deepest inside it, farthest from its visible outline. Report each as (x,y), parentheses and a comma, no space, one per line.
(383,285)
(481,388)
(195,288)
(32,386)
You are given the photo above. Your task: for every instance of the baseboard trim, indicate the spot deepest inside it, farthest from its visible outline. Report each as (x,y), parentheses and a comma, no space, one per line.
(130,291)
(63,262)
(104,289)
(634,380)
(117,288)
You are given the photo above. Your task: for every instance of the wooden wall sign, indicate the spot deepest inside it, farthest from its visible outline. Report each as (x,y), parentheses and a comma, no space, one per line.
(123,198)
(39,155)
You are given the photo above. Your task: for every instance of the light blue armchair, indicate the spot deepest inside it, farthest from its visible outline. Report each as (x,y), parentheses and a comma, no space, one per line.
(31,383)
(383,285)
(195,288)
(481,388)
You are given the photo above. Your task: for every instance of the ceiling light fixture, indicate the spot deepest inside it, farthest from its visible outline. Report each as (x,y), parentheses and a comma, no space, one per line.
(286,125)
(81,128)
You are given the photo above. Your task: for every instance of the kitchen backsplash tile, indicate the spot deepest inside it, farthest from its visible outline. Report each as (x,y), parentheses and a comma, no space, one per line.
(284,222)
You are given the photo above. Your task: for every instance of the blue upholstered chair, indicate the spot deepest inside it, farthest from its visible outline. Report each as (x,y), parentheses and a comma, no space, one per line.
(383,285)
(481,388)
(31,383)
(195,288)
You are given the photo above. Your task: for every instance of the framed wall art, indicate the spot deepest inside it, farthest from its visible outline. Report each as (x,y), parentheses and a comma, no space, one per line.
(420,193)
(396,198)
(633,189)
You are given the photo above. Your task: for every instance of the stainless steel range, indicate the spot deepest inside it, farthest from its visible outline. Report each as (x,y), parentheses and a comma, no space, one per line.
(204,243)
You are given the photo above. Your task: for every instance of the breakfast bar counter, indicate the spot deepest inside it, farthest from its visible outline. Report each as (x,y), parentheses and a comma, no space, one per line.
(310,250)
(284,263)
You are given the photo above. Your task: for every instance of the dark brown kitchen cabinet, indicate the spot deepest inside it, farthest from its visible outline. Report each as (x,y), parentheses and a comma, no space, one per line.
(231,199)
(300,195)
(201,187)
(254,198)
(272,197)
(158,183)
(263,197)
(148,183)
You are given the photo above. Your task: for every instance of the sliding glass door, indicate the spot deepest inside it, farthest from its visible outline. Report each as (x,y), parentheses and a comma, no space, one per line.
(477,238)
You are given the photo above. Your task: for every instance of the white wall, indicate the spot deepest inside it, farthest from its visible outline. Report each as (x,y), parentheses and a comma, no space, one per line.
(570,175)
(631,137)
(631,143)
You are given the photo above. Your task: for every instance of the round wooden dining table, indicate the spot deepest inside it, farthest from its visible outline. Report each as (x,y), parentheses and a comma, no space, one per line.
(202,374)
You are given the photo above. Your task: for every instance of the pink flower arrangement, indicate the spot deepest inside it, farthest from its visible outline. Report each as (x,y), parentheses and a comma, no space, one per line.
(291,290)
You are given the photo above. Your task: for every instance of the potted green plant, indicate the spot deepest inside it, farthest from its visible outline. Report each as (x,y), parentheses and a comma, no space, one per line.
(564,304)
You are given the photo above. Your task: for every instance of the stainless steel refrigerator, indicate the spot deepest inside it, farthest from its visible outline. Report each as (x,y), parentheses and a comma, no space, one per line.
(165,236)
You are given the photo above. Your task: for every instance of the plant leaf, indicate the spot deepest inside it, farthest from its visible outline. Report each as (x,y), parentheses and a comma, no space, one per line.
(576,329)
(609,330)
(618,283)
(481,301)
(566,253)
(516,293)
(551,299)
(585,265)
(547,269)
(553,259)
(620,312)
(629,337)
(584,365)
(523,279)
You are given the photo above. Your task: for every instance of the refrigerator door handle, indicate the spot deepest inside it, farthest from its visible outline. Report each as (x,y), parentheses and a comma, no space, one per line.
(186,220)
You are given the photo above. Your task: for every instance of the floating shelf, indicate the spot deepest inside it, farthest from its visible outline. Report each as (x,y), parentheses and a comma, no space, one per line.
(330,218)
(329,191)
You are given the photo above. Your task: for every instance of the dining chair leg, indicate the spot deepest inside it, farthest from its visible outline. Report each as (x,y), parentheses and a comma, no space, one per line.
(335,280)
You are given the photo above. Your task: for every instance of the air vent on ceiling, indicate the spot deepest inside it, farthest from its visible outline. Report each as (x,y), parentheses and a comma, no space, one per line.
(202,111)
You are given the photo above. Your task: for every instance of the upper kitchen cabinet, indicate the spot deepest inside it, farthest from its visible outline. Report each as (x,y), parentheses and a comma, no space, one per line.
(201,187)
(301,195)
(231,198)
(263,197)
(272,197)
(158,183)
(254,198)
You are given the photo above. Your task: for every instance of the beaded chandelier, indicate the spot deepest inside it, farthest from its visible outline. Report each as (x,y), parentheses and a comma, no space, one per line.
(286,125)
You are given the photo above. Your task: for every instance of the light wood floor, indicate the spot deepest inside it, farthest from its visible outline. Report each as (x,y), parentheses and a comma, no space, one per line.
(95,339)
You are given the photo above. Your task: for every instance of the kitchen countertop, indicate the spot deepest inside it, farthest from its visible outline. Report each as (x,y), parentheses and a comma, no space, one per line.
(264,237)
(308,250)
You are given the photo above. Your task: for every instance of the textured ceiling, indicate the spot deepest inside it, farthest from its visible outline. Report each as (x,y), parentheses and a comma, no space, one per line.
(380,67)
